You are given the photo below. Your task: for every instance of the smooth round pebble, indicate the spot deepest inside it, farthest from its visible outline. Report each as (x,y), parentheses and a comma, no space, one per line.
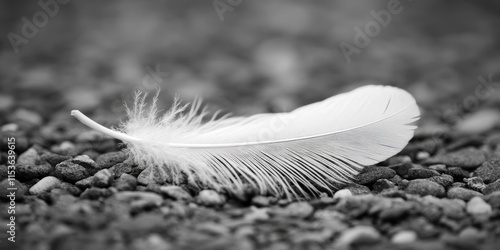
(404,237)
(359,235)
(425,187)
(342,193)
(477,206)
(462,193)
(176,192)
(210,198)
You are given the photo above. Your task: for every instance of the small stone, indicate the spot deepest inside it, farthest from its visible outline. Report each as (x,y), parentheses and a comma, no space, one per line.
(404,237)
(176,192)
(475,183)
(45,185)
(441,168)
(70,188)
(71,172)
(492,187)
(120,168)
(472,234)
(490,170)
(94,193)
(374,174)
(28,171)
(421,173)
(126,182)
(27,116)
(399,159)
(422,155)
(459,184)
(382,184)
(54,159)
(86,162)
(357,189)
(443,180)
(458,174)
(139,199)
(9,127)
(263,201)
(153,242)
(151,175)
(468,158)
(462,193)
(358,235)
(102,178)
(493,199)
(425,187)
(5,191)
(479,122)
(342,194)
(109,159)
(295,209)
(402,168)
(210,198)
(477,206)
(29,157)
(85,183)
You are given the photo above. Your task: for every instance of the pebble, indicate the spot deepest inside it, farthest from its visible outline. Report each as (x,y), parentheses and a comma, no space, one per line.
(421,173)
(479,122)
(402,169)
(399,159)
(468,158)
(425,187)
(357,189)
(85,183)
(472,234)
(475,183)
(358,235)
(489,171)
(94,193)
(71,172)
(342,194)
(383,184)
(404,237)
(441,168)
(102,178)
(295,209)
(459,184)
(5,192)
(458,174)
(175,192)
(126,182)
(70,188)
(462,193)
(492,187)
(422,155)
(29,157)
(375,173)
(87,162)
(31,171)
(477,206)
(210,198)
(109,159)
(54,159)
(493,199)
(120,168)
(9,127)
(140,199)
(44,185)
(28,116)
(452,208)
(153,242)
(443,180)
(263,201)
(151,175)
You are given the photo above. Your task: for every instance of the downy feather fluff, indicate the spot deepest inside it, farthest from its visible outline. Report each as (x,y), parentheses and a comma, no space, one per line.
(313,149)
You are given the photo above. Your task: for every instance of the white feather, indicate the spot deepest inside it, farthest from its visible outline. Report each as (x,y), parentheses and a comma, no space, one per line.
(314,148)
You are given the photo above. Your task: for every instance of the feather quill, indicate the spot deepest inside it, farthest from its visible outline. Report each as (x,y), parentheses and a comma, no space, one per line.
(312,149)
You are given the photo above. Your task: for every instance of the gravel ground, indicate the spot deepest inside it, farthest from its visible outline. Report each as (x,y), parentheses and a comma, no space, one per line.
(78,190)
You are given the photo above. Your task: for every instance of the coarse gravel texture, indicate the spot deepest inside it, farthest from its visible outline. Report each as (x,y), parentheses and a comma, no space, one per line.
(79,190)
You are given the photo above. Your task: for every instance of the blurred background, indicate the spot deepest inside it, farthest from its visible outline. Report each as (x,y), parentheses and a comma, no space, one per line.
(244,57)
